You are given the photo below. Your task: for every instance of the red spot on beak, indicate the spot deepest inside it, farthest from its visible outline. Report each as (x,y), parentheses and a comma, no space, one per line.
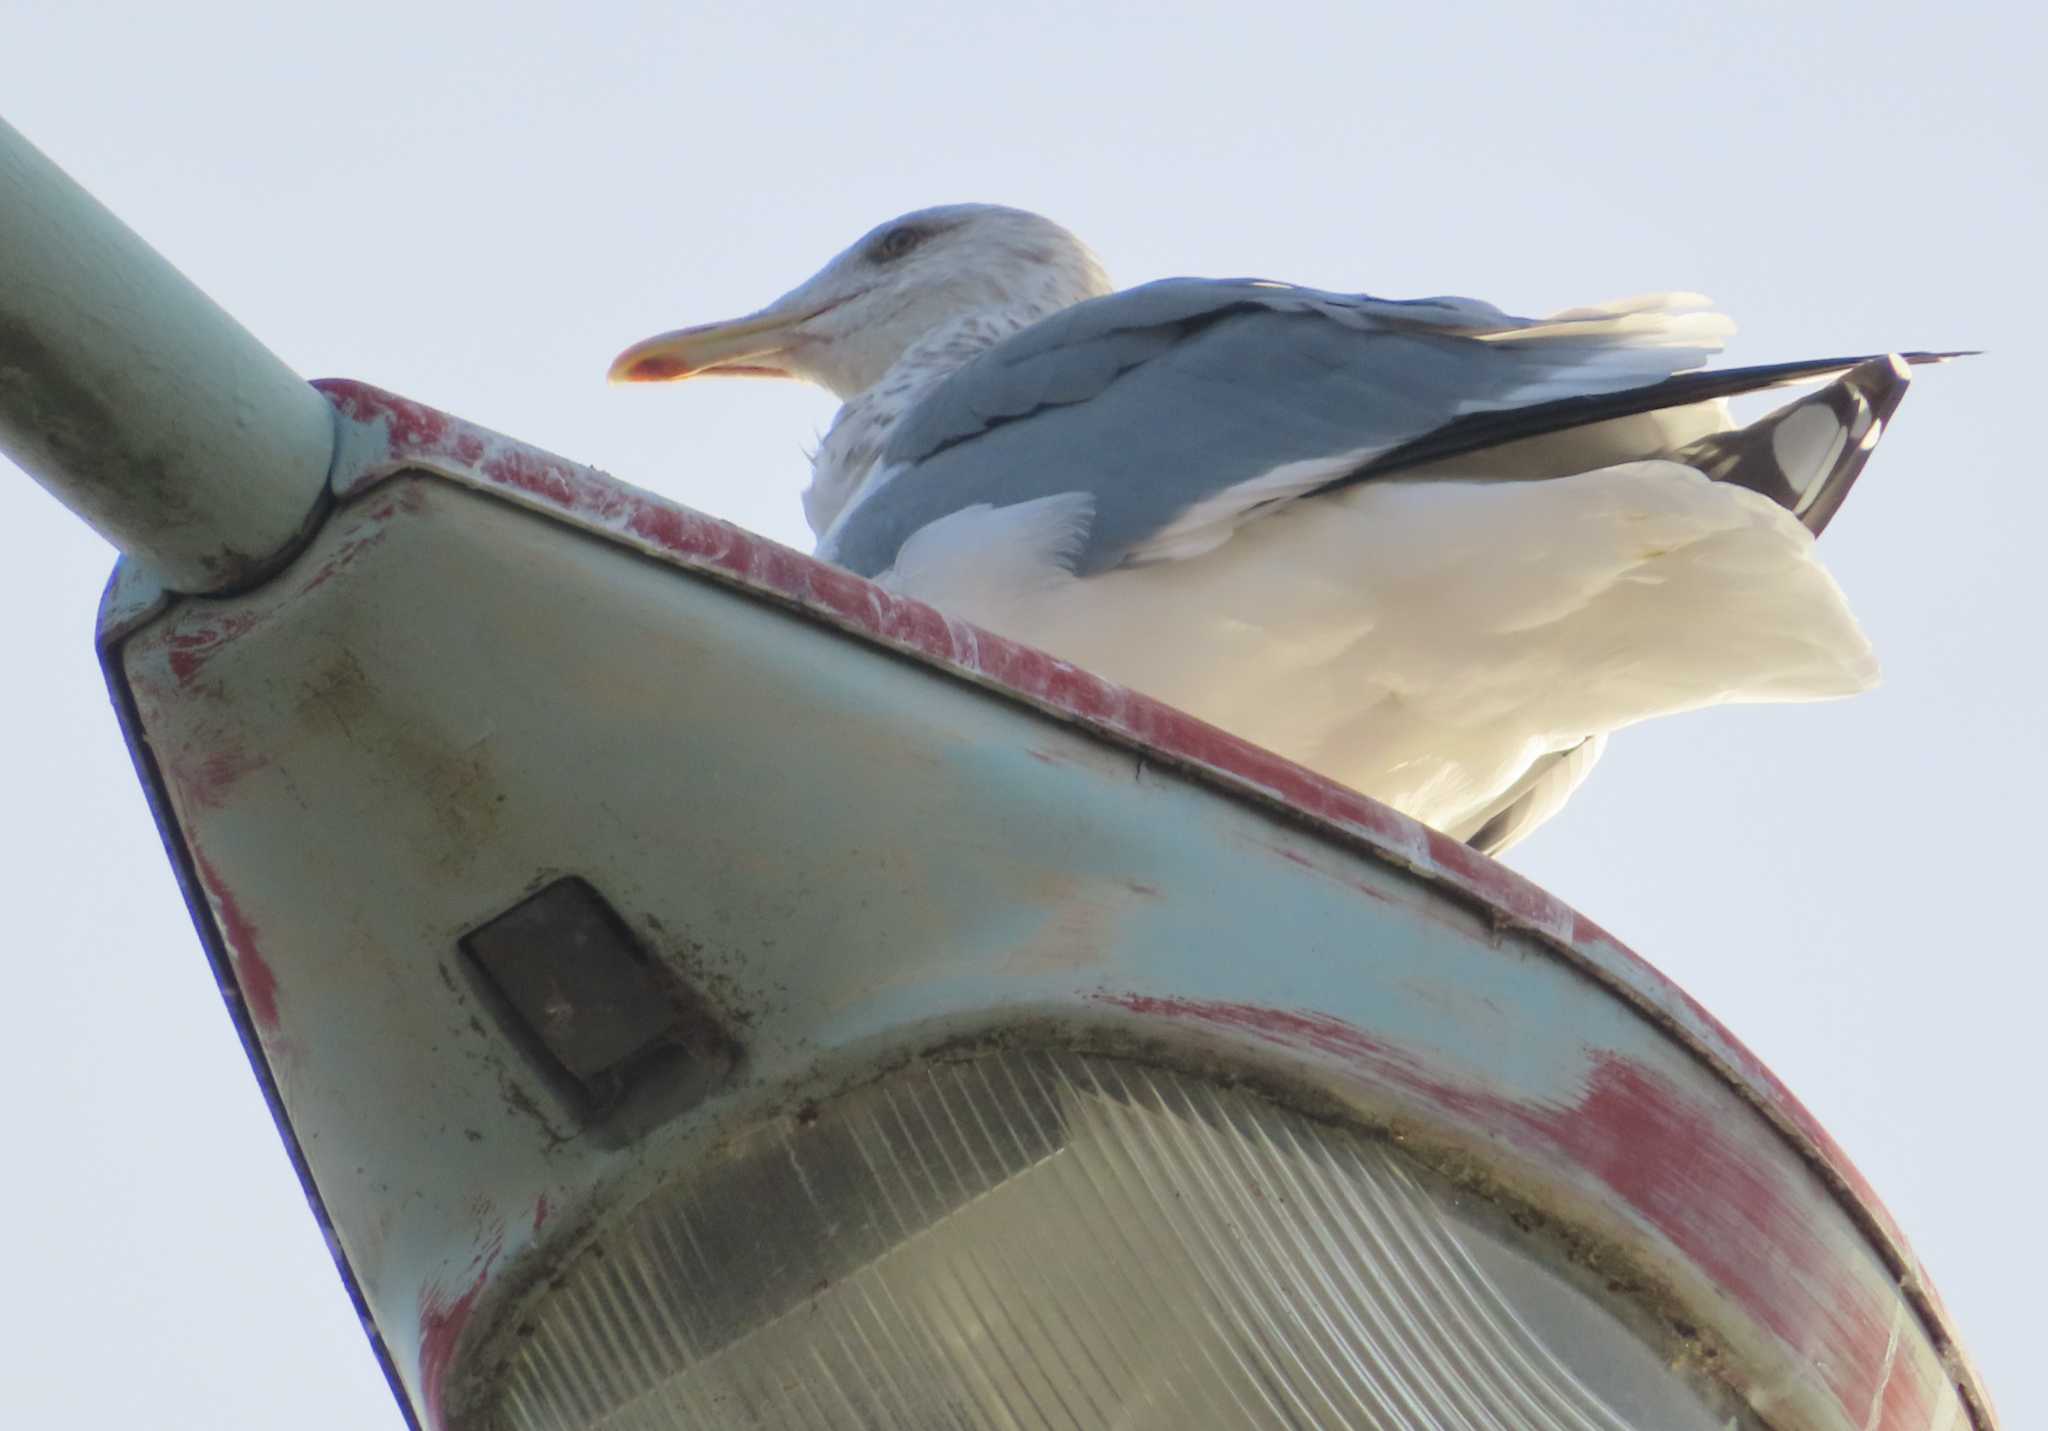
(655,370)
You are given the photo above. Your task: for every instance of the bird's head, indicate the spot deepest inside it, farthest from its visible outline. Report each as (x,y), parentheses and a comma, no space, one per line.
(844,327)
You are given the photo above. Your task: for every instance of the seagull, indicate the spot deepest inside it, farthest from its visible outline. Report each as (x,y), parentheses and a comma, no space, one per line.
(1429,549)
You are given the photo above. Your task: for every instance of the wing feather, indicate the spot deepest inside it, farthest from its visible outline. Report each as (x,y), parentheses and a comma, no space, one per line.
(1177,403)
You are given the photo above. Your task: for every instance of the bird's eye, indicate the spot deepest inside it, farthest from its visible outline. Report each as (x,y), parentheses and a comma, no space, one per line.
(897,242)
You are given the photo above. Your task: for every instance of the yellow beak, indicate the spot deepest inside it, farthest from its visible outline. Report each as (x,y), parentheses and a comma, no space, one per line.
(744,347)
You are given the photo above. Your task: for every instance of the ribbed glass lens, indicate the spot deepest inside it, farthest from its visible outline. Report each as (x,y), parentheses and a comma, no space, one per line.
(1035,1240)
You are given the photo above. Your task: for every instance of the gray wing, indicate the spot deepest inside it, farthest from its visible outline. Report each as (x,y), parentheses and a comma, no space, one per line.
(1185,407)
(1161,399)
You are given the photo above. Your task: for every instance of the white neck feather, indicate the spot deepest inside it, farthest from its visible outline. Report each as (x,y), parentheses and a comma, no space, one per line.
(847,458)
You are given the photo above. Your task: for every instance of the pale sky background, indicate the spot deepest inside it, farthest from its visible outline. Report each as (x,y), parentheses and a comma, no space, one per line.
(477,205)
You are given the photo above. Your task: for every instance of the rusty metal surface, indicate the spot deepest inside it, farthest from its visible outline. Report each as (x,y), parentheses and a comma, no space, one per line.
(388,434)
(858,857)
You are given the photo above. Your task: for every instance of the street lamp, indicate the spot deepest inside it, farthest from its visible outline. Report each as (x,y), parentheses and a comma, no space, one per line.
(700,989)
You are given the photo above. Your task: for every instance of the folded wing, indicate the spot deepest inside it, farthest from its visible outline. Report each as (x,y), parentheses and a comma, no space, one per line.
(1183,407)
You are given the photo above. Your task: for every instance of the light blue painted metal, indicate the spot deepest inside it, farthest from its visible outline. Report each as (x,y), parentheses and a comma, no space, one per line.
(865,833)
(136,401)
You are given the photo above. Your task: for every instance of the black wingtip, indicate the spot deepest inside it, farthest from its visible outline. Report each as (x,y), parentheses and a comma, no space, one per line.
(1923,360)
(1881,387)
(1481,430)
(1809,474)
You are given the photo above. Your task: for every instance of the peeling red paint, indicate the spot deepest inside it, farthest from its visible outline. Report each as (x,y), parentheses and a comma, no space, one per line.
(209,780)
(1357,884)
(245,947)
(412,424)
(190,644)
(441,1323)
(442,1320)
(530,473)
(662,526)
(202,630)
(345,554)
(1664,1154)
